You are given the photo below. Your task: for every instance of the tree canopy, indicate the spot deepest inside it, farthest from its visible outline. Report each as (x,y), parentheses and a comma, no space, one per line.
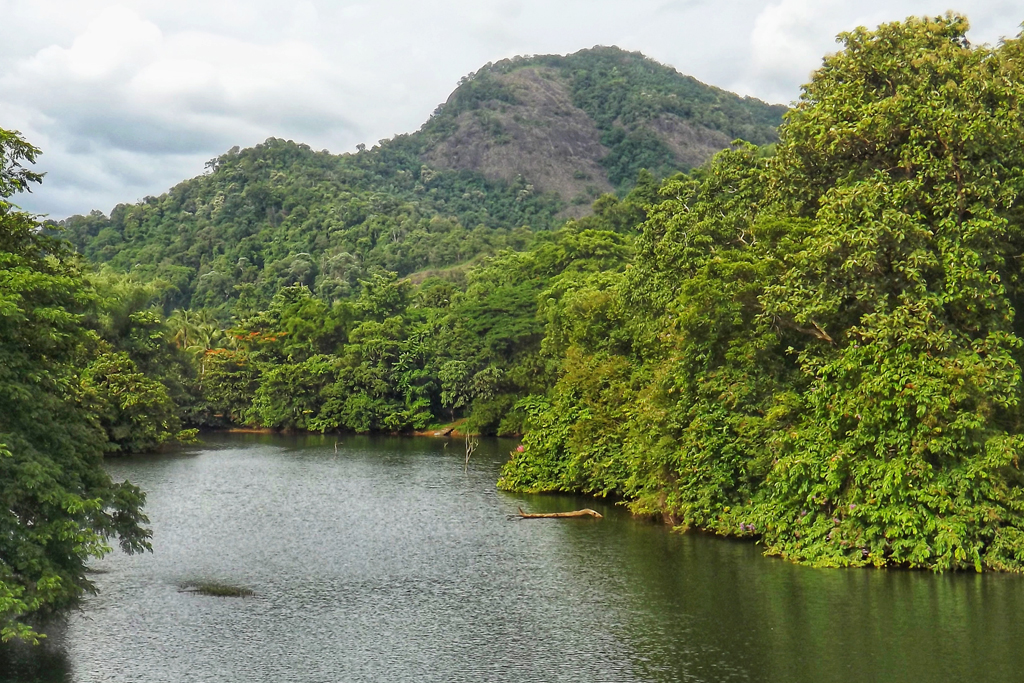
(83,372)
(820,348)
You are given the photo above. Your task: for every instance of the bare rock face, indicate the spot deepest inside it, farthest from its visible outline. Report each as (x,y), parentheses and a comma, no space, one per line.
(691,144)
(553,145)
(584,124)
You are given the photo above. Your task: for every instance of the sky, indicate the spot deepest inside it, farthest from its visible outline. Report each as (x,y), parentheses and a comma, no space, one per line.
(128,98)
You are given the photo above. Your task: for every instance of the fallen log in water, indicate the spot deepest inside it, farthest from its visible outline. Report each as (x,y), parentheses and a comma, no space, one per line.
(585,512)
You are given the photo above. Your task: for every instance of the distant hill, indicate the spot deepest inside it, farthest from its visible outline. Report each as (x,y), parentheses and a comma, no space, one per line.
(586,123)
(517,148)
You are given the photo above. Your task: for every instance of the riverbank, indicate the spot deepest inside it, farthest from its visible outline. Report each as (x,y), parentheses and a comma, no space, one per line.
(451,430)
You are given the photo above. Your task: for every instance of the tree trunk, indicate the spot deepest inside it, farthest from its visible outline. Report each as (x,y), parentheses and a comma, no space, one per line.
(585,512)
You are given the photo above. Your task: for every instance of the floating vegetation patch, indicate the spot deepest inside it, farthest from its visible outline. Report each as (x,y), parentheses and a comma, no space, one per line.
(222,590)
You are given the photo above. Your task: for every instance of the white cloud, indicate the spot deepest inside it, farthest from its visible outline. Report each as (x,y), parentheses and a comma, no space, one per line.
(111,43)
(128,97)
(124,104)
(790,37)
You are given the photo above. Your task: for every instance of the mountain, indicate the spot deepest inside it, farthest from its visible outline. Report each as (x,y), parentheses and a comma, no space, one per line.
(518,147)
(586,123)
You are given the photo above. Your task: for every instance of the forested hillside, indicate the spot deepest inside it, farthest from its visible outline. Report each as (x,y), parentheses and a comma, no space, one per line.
(280,214)
(518,147)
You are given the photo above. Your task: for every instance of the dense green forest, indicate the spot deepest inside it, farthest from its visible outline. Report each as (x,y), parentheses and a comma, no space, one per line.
(281,214)
(812,343)
(820,349)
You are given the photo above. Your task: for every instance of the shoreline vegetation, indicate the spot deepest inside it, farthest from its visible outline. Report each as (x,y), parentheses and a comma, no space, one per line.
(814,343)
(444,430)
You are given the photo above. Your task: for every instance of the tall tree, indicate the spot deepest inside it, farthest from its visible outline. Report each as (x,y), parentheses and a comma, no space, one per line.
(58,507)
(906,151)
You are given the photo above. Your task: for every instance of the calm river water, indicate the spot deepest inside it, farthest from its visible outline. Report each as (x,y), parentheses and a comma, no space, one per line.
(386,562)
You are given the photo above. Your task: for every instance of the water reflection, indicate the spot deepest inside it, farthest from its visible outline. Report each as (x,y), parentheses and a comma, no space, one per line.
(385,561)
(710,609)
(46,663)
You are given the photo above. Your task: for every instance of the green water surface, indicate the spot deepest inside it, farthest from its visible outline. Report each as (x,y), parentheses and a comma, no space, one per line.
(384,561)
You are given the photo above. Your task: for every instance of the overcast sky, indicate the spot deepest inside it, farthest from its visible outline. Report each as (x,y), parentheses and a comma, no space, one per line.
(127,98)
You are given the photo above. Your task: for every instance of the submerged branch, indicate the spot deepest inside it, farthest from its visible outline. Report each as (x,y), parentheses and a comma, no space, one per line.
(586,512)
